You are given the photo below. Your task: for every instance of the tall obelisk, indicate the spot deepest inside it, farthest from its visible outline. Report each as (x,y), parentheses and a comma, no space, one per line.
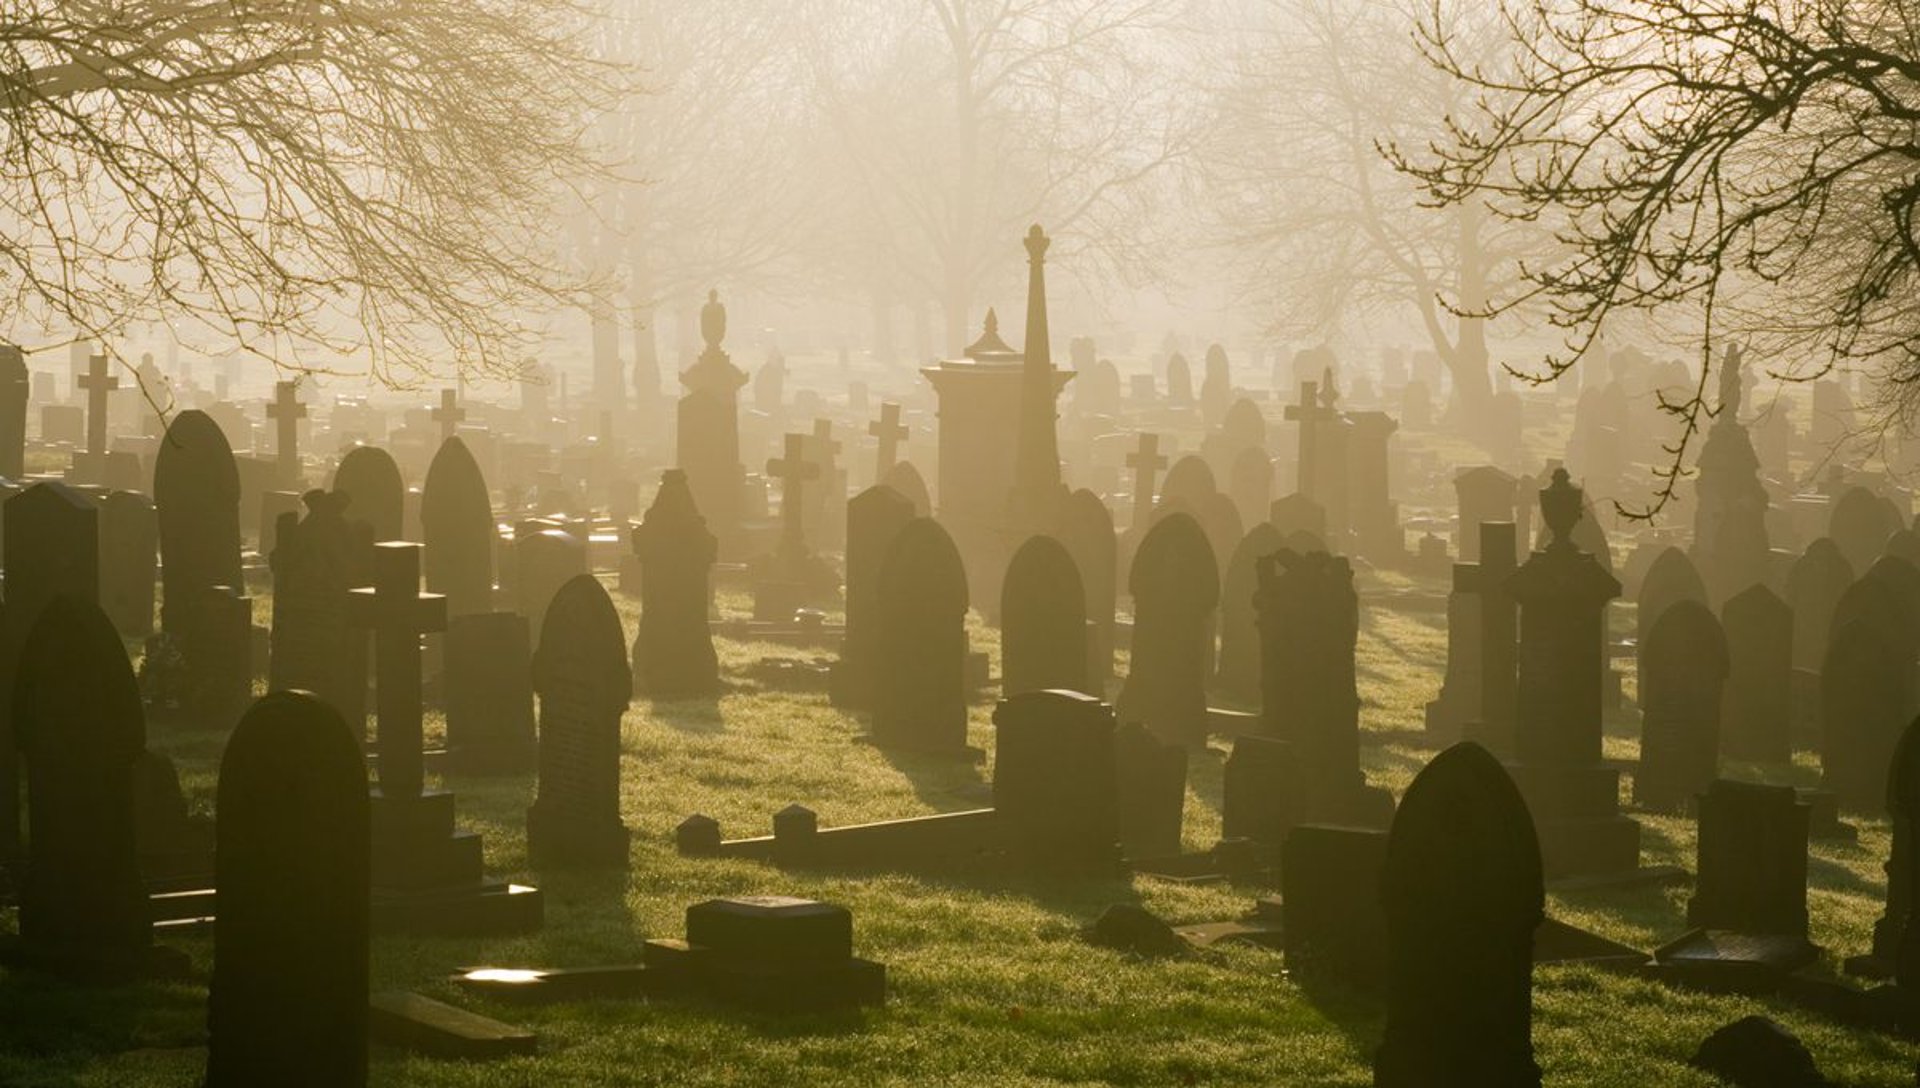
(1037,490)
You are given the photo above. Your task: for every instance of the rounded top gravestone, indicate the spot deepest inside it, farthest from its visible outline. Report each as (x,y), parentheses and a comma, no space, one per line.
(1860,524)
(456,519)
(292,865)
(369,476)
(1188,485)
(1670,579)
(1175,565)
(1244,426)
(906,480)
(196,491)
(1043,620)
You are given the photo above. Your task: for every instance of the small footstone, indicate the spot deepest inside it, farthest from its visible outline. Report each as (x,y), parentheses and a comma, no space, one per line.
(1755,1052)
(417,1023)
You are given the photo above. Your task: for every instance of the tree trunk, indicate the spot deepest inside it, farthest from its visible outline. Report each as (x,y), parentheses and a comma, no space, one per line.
(1467,362)
(609,388)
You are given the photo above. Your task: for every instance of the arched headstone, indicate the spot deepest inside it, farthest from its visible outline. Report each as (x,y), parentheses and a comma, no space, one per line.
(1860,524)
(874,519)
(369,475)
(581,675)
(456,522)
(1086,529)
(1814,587)
(1684,668)
(1756,718)
(288,997)
(196,491)
(1238,671)
(1043,621)
(1175,585)
(1463,893)
(1865,690)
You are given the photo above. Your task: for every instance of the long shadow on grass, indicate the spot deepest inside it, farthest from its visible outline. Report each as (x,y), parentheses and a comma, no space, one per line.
(701,715)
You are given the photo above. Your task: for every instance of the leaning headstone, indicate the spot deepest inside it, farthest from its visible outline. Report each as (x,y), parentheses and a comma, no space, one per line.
(369,477)
(874,519)
(1464,893)
(1043,621)
(489,693)
(129,561)
(920,689)
(456,522)
(581,675)
(291,865)
(1175,584)
(1684,666)
(673,654)
(1756,712)
(80,730)
(196,490)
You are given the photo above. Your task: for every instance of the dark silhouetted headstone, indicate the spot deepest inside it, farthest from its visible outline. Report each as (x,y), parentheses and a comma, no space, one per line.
(1865,685)
(1463,894)
(673,655)
(1151,793)
(369,477)
(218,645)
(317,560)
(1043,620)
(1671,579)
(874,518)
(581,675)
(1753,861)
(1814,587)
(80,730)
(1684,667)
(288,1000)
(1054,781)
(1086,528)
(920,690)
(1756,716)
(1755,1052)
(1903,809)
(196,490)
(456,521)
(1334,925)
(1860,525)
(1175,584)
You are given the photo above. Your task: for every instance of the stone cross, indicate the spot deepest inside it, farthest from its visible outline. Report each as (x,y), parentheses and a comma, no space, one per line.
(891,432)
(98,383)
(1146,462)
(1312,411)
(287,409)
(397,613)
(449,413)
(792,470)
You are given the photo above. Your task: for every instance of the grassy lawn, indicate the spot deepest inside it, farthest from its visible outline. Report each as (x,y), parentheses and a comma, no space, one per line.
(988,984)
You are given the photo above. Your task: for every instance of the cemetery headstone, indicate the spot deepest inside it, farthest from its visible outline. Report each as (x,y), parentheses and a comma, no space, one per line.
(920,687)
(489,693)
(196,492)
(1756,713)
(673,655)
(369,477)
(584,683)
(1175,585)
(457,529)
(1684,667)
(1043,620)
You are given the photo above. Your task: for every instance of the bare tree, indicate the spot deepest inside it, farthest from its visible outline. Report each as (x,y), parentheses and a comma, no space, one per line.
(309,181)
(956,123)
(1326,231)
(1753,163)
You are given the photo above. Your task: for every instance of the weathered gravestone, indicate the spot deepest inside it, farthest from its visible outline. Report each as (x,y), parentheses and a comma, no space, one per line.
(317,561)
(1684,667)
(1175,585)
(489,693)
(51,539)
(196,490)
(1237,672)
(1086,528)
(1463,893)
(219,652)
(1054,780)
(874,520)
(581,675)
(1756,711)
(1753,860)
(287,1003)
(456,522)
(129,537)
(369,477)
(1572,795)
(544,560)
(1043,621)
(1865,689)
(673,655)
(80,731)
(1333,924)
(1309,619)
(920,690)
